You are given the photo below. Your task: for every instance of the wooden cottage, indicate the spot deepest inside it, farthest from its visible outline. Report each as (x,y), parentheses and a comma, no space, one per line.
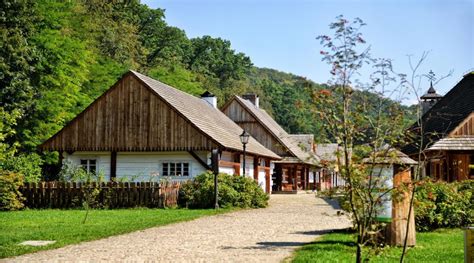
(328,176)
(448,129)
(142,129)
(298,161)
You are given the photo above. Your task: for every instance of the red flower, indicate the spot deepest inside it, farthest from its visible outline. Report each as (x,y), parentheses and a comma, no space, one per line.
(325,92)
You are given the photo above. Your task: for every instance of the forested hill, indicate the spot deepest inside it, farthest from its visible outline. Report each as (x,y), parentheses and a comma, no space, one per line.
(56,57)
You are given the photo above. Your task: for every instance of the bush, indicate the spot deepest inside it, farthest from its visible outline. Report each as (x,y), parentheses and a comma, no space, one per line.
(234,191)
(444,205)
(10,195)
(28,165)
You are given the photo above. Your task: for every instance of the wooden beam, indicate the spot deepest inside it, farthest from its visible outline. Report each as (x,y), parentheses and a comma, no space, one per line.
(237,169)
(255,168)
(267,176)
(200,161)
(295,183)
(236,165)
(113,165)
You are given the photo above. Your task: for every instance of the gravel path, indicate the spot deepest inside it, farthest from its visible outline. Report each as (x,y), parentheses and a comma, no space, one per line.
(259,235)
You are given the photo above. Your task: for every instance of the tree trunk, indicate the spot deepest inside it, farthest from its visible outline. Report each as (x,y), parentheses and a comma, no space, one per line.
(359,251)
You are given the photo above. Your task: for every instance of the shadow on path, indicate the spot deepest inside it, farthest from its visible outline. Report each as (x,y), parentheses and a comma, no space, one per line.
(276,245)
(314,232)
(270,245)
(332,202)
(322,232)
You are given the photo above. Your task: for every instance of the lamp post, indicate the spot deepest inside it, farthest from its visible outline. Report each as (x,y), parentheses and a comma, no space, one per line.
(244,139)
(215,170)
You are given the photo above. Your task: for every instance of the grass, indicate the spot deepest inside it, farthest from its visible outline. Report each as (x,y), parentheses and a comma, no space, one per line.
(66,228)
(444,245)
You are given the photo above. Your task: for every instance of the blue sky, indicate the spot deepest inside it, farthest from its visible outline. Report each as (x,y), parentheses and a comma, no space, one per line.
(281,34)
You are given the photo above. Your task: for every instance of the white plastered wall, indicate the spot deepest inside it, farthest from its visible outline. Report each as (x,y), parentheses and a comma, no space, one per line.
(147,166)
(140,166)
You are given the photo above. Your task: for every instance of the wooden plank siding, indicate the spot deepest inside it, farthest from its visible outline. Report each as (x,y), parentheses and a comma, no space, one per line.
(247,122)
(129,117)
(465,128)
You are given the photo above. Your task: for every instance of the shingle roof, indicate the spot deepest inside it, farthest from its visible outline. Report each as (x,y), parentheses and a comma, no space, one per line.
(447,113)
(305,141)
(463,143)
(209,120)
(327,151)
(431,94)
(278,132)
(392,156)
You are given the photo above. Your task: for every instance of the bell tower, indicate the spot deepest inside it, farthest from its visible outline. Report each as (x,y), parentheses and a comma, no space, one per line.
(430,98)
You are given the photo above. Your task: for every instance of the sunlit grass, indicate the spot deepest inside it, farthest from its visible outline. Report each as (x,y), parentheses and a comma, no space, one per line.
(444,245)
(65,226)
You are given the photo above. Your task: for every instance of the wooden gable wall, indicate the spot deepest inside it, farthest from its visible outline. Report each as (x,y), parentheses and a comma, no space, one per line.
(466,127)
(244,119)
(129,117)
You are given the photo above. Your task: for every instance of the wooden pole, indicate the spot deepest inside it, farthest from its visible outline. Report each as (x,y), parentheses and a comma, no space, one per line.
(295,183)
(396,230)
(215,170)
(113,165)
(255,169)
(267,176)
(243,164)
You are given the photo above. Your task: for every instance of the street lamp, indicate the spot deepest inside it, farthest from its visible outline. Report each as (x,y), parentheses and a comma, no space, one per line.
(244,139)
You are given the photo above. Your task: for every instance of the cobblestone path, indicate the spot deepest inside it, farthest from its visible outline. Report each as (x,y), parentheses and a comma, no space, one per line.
(256,235)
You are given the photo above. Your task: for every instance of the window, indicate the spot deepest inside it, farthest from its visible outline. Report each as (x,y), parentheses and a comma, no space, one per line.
(89,165)
(175,169)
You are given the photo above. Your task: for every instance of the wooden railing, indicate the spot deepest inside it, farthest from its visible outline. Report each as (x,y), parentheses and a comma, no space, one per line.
(108,195)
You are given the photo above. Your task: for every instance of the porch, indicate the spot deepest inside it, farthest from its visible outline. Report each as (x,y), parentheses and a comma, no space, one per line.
(290,177)
(451,166)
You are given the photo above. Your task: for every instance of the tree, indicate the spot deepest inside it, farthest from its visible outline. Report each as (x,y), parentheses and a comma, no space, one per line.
(18,62)
(418,137)
(365,126)
(215,58)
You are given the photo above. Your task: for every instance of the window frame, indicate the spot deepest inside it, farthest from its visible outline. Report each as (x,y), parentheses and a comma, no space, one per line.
(176,168)
(88,164)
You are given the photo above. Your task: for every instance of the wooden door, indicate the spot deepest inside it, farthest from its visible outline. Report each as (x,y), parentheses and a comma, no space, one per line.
(459,169)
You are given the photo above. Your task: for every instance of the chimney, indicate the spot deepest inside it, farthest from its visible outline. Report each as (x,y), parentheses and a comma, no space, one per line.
(252,97)
(209,98)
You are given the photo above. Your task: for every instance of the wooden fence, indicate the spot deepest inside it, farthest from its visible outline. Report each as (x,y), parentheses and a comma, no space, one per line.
(107,194)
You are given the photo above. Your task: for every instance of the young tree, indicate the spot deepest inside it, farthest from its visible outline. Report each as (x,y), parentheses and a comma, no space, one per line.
(418,137)
(363,124)
(90,182)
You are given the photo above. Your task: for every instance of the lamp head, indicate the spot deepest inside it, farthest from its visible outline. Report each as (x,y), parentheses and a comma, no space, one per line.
(244,137)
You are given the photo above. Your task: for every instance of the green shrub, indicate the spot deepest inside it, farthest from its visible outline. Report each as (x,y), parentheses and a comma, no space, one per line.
(28,165)
(443,205)
(234,191)
(10,195)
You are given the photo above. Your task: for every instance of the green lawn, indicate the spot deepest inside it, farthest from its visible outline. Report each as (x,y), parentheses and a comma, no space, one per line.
(65,226)
(444,245)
